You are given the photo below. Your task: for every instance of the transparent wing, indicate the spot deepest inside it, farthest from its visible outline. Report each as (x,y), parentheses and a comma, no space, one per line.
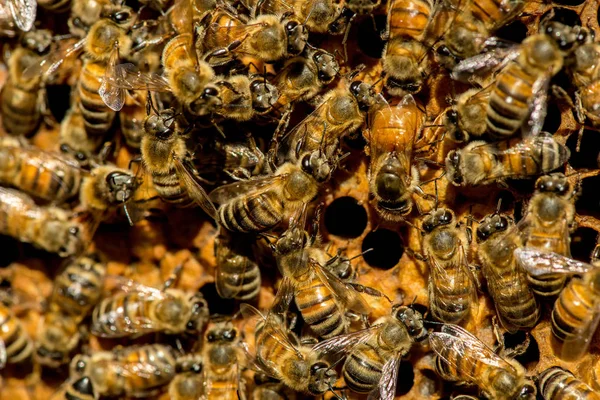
(386,388)
(195,191)
(50,63)
(225,193)
(23,12)
(538,106)
(118,283)
(272,327)
(539,263)
(344,293)
(126,76)
(470,351)
(283,298)
(577,344)
(112,95)
(484,63)
(3,356)
(345,343)
(269,7)
(146,370)
(528,147)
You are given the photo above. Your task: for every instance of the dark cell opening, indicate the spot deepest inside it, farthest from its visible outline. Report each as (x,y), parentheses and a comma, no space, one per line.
(568,2)
(588,202)
(531,356)
(59,100)
(406,378)
(564,16)
(516,32)
(553,118)
(418,307)
(387,248)
(518,212)
(369,36)
(583,241)
(217,304)
(355,141)
(345,217)
(507,198)
(589,151)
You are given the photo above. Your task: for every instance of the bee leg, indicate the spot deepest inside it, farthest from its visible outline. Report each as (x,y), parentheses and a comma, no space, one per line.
(500,346)
(476,274)
(173,277)
(367,290)
(309,341)
(45,107)
(415,255)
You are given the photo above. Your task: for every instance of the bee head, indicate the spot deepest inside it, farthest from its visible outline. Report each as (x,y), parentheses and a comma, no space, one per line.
(453,161)
(121,185)
(297,35)
(553,183)
(437,218)
(264,95)
(199,314)
(317,166)
(79,365)
(363,94)
(527,392)
(412,319)
(490,226)
(321,378)
(327,66)
(160,126)
(84,386)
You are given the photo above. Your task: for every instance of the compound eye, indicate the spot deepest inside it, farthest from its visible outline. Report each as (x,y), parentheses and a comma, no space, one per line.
(446,217)
(427,225)
(210,92)
(483,234)
(502,224)
(229,335)
(317,366)
(452,116)
(290,26)
(211,337)
(121,16)
(80,367)
(444,51)
(355,87)
(582,37)
(74,230)
(306,167)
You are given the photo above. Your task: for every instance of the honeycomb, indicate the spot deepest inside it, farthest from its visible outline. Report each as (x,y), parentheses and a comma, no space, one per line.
(149,251)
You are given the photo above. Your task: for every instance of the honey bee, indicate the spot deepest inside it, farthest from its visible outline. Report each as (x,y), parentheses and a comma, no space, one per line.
(268,37)
(362,7)
(374,354)
(280,355)
(481,163)
(452,289)
(393,178)
(507,283)
(405,61)
(136,371)
(15,344)
(80,389)
(239,97)
(166,158)
(237,159)
(463,357)
(301,78)
(49,228)
(107,187)
(466,119)
(589,371)
(546,226)
(22,98)
(48,176)
(558,383)
(137,309)
(58,337)
(261,203)
(267,388)
(222,369)
(18,13)
(584,68)
(519,95)
(237,275)
(473,23)
(341,112)
(84,14)
(188,384)
(321,297)
(576,312)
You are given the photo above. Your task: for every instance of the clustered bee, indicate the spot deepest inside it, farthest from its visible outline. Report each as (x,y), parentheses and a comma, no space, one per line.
(181,214)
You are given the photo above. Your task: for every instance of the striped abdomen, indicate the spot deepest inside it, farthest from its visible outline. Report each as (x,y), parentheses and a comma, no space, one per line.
(590,98)
(79,287)
(408,18)
(81,389)
(536,156)
(221,387)
(319,309)
(238,277)
(450,299)
(493,12)
(159,356)
(20,109)
(221,31)
(509,101)
(549,240)
(112,316)
(98,118)
(514,301)
(17,342)
(43,175)
(257,213)
(169,187)
(57,6)
(572,310)
(363,367)
(557,383)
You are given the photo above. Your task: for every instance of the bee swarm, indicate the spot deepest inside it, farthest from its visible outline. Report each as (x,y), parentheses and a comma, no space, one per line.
(149,251)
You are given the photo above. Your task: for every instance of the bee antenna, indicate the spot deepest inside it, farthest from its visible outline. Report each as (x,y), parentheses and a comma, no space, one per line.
(361,254)
(127,213)
(413,225)
(309,14)
(426,321)
(352,74)
(497,211)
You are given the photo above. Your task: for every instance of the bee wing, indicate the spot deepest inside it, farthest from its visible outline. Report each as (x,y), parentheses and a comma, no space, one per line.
(471,350)
(118,283)
(145,370)
(283,298)
(239,32)
(528,146)
(345,343)
(3,355)
(195,191)
(539,263)
(225,193)
(343,292)
(538,106)
(386,388)
(23,12)
(484,63)
(272,327)
(576,345)
(50,63)
(112,95)
(273,7)
(125,76)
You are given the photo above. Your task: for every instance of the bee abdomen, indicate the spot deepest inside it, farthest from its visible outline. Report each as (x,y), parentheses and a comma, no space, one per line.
(257,214)
(546,286)
(557,383)
(19,109)
(251,280)
(16,340)
(319,310)
(509,102)
(570,311)
(362,369)
(97,116)
(170,189)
